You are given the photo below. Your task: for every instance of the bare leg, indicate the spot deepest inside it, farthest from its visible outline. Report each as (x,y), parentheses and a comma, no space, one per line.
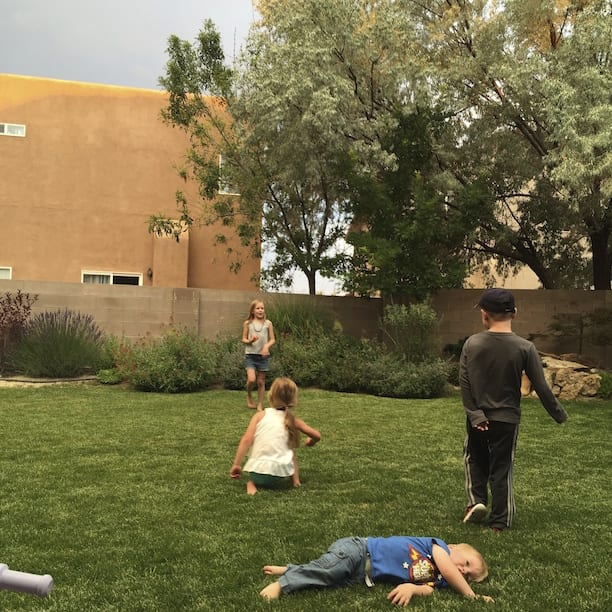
(261,389)
(274,570)
(295,479)
(272,591)
(250,385)
(251,488)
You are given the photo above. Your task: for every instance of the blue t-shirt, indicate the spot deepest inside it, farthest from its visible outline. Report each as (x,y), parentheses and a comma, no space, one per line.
(400,559)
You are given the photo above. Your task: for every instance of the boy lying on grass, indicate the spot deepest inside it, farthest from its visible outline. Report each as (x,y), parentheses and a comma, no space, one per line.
(416,565)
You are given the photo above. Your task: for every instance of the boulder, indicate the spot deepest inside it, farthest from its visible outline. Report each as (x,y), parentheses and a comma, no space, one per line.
(569,380)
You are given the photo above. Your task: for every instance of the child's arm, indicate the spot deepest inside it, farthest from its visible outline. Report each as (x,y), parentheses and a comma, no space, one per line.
(313,436)
(271,339)
(452,575)
(245,334)
(403,593)
(245,443)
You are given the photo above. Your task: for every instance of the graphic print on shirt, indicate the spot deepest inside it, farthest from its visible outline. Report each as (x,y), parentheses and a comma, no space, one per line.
(420,569)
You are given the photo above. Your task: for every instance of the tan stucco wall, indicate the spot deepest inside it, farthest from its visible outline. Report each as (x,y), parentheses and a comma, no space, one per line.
(77,191)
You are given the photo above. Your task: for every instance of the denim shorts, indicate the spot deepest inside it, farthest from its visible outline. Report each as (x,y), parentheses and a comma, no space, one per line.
(259,363)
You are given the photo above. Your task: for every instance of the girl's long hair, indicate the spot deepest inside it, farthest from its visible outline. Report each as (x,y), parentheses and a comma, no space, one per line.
(283,394)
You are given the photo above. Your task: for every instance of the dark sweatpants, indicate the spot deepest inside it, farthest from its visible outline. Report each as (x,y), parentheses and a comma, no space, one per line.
(488,458)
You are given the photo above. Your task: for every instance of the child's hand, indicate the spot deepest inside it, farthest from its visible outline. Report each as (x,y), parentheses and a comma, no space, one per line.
(309,442)
(236,471)
(401,594)
(253,339)
(486,598)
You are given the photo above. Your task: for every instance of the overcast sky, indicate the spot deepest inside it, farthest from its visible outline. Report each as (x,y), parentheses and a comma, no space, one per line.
(116,42)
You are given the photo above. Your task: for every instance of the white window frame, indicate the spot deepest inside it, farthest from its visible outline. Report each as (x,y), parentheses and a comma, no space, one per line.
(10,272)
(13,129)
(110,276)
(224,187)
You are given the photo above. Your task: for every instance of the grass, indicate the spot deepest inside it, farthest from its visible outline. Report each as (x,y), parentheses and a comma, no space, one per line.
(125,499)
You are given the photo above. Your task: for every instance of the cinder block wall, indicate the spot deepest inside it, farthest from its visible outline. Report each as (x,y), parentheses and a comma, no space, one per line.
(133,312)
(536,310)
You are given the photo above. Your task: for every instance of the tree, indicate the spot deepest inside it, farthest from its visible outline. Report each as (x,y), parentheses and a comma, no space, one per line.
(513,77)
(353,53)
(404,237)
(274,154)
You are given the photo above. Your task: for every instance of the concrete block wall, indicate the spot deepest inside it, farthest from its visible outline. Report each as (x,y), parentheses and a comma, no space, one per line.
(134,312)
(536,310)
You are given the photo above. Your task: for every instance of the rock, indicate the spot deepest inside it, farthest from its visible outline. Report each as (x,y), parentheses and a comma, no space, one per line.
(569,380)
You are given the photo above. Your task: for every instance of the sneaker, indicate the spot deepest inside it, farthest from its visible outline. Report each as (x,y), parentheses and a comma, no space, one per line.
(475,513)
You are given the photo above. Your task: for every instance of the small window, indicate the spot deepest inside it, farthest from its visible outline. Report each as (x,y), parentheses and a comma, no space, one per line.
(225,187)
(110,278)
(6,273)
(12,129)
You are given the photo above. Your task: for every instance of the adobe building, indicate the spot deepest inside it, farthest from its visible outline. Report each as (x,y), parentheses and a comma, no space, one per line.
(83,167)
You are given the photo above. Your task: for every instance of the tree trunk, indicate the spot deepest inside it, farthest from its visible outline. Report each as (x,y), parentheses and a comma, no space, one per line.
(602,257)
(311,276)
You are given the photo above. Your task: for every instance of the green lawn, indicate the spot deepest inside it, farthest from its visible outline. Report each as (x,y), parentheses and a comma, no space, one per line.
(125,499)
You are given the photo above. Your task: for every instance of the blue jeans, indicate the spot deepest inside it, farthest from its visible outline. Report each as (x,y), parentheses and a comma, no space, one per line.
(342,564)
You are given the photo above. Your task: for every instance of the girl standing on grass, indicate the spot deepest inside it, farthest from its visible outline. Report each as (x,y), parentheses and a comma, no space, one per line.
(258,337)
(272,437)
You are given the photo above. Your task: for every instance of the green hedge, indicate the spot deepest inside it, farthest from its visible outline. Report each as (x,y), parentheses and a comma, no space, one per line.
(178,361)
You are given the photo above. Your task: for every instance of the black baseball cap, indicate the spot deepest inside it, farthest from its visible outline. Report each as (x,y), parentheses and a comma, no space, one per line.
(497,300)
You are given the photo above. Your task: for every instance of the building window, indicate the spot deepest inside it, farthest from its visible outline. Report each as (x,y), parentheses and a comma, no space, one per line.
(12,129)
(110,278)
(225,187)
(6,273)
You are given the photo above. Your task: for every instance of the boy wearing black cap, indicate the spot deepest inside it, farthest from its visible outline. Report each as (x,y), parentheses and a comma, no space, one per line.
(491,368)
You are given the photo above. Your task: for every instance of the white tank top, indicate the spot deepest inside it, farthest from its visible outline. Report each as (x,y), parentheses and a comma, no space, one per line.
(270,453)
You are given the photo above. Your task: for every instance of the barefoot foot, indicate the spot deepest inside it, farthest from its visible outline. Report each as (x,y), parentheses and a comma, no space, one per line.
(272,591)
(274,570)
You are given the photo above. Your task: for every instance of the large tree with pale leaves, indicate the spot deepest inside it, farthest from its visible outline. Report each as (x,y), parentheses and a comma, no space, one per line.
(520,151)
(527,88)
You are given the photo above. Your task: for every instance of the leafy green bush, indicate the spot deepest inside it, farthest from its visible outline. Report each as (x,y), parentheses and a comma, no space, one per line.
(412,331)
(15,311)
(347,366)
(453,352)
(58,344)
(110,349)
(109,376)
(178,361)
(341,363)
(229,360)
(453,372)
(299,358)
(392,376)
(605,388)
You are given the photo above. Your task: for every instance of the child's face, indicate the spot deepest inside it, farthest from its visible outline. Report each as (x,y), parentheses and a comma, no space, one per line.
(467,562)
(259,311)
